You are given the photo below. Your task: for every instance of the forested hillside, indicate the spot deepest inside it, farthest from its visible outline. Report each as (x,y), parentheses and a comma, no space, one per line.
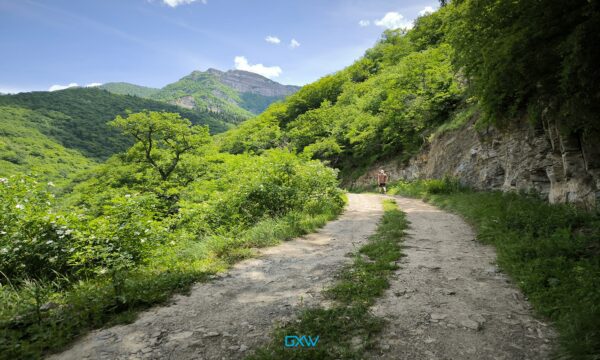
(77,118)
(502,62)
(24,148)
(123,88)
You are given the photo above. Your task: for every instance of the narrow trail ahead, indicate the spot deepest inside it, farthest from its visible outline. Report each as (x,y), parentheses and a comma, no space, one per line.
(447,301)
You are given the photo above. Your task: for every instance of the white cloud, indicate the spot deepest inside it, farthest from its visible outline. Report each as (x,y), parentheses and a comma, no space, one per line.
(272,39)
(294,43)
(241,63)
(62,87)
(175,3)
(393,20)
(364,23)
(12,90)
(93,84)
(426,10)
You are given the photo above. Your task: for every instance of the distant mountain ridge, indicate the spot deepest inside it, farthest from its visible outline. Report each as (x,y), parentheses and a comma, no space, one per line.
(236,94)
(245,81)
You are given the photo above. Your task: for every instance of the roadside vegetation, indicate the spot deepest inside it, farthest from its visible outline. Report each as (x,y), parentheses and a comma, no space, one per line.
(552,252)
(149,222)
(347,329)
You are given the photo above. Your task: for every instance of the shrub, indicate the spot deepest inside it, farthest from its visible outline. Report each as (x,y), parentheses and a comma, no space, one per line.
(35,241)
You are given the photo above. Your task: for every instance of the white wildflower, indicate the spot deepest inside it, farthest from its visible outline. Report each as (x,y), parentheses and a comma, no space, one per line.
(3,181)
(20,206)
(143,240)
(2,232)
(128,195)
(50,183)
(49,242)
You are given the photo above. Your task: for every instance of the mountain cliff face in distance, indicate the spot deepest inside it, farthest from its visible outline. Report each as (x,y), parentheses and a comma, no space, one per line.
(235,94)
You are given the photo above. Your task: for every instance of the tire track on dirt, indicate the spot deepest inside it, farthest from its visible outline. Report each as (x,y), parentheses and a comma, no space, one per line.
(450,301)
(225,318)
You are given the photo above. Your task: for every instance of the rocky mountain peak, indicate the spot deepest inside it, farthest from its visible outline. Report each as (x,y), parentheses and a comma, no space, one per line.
(249,82)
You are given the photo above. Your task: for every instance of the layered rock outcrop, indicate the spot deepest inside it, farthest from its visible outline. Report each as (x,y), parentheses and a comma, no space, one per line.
(563,168)
(248,82)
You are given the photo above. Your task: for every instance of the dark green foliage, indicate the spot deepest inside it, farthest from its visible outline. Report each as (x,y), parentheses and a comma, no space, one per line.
(77,118)
(256,103)
(123,88)
(531,55)
(349,319)
(26,150)
(551,251)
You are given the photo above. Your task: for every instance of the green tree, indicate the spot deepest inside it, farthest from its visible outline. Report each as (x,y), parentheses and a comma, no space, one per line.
(531,55)
(162,139)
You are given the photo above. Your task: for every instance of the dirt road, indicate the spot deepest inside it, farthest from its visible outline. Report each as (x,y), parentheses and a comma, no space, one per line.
(227,317)
(450,301)
(447,301)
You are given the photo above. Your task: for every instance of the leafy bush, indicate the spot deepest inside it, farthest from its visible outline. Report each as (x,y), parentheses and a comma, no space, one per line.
(121,238)
(35,241)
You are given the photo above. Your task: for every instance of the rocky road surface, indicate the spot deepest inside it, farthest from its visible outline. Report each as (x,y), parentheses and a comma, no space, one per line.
(227,317)
(448,300)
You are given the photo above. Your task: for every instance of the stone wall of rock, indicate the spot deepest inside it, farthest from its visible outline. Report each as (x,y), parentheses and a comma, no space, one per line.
(244,81)
(563,168)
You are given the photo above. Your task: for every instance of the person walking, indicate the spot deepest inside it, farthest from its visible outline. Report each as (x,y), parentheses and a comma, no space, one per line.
(382,179)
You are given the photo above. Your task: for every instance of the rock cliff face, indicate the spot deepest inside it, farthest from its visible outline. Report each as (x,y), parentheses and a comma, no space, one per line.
(244,81)
(562,168)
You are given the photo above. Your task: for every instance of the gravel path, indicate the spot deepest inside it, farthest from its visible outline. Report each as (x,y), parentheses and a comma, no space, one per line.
(225,318)
(449,300)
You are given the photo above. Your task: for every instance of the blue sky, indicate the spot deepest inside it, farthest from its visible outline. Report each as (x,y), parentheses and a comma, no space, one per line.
(53,43)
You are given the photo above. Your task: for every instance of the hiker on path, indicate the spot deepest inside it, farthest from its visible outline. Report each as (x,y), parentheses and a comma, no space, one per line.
(382,179)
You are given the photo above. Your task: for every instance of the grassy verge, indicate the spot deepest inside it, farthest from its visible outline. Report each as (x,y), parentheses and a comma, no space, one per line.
(347,329)
(90,303)
(551,251)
